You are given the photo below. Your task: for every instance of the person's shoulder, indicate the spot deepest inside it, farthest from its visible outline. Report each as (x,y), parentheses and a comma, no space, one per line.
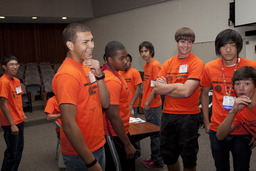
(213,63)
(134,70)
(248,61)
(109,76)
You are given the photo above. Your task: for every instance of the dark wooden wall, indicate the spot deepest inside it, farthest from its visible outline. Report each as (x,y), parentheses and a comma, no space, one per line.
(33,42)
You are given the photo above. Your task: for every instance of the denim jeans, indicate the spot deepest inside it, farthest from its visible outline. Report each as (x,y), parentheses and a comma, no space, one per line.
(14,148)
(238,145)
(153,115)
(76,163)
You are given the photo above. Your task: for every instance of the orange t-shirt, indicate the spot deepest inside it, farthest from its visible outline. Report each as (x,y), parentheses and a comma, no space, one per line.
(72,85)
(52,107)
(150,75)
(132,78)
(213,77)
(8,90)
(247,118)
(118,91)
(177,70)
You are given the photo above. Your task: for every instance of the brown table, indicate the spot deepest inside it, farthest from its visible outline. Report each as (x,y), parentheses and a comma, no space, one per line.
(139,131)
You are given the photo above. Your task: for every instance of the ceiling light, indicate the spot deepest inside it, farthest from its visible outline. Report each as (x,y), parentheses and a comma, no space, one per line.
(64,18)
(34,18)
(2,17)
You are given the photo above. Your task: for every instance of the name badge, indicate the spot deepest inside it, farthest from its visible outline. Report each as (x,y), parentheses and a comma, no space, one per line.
(152,83)
(183,69)
(228,102)
(18,90)
(91,76)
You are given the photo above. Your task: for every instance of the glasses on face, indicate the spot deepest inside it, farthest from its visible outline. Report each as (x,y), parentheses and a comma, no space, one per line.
(14,64)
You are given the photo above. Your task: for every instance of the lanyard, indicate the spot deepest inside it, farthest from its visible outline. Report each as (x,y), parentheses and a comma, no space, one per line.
(224,79)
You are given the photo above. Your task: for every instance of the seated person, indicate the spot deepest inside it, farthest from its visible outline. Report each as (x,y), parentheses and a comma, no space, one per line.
(52,112)
(244,108)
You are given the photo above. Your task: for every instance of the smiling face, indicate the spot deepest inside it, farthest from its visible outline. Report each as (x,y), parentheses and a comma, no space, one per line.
(245,87)
(83,46)
(184,48)
(119,62)
(11,68)
(228,53)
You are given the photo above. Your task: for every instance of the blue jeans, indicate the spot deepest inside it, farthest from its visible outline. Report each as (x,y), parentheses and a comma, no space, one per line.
(14,148)
(76,163)
(153,115)
(238,145)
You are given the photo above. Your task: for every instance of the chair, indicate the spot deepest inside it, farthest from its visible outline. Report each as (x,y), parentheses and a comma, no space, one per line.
(26,98)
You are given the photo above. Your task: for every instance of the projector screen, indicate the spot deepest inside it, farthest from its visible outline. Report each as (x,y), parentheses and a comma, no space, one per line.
(245,12)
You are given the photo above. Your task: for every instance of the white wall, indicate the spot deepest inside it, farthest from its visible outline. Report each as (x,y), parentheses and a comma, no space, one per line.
(158,23)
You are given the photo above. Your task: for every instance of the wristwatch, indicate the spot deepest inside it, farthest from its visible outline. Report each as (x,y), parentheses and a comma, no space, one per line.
(101,77)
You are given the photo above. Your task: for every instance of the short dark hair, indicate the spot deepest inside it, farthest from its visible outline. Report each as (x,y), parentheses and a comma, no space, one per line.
(228,36)
(112,48)
(148,46)
(69,33)
(128,55)
(245,73)
(185,33)
(7,59)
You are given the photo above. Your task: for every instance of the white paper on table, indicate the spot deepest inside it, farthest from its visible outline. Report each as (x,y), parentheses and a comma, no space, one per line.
(136,120)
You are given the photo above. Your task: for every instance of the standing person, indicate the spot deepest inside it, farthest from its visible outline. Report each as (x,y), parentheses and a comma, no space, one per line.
(118,114)
(218,74)
(12,116)
(151,102)
(81,97)
(133,80)
(244,83)
(179,80)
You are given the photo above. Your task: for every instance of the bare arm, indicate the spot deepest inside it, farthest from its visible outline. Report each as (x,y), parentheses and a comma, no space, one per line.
(7,113)
(226,126)
(103,94)
(118,126)
(102,88)
(135,96)
(52,117)
(162,88)
(149,100)
(205,107)
(185,90)
(74,134)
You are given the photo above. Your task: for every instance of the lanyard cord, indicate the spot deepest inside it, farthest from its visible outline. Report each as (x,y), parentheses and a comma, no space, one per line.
(224,79)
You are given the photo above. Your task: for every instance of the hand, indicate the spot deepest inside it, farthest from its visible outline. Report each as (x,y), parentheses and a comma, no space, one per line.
(161,80)
(252,143)
(95,167)
(240,103)
(15,130)
(130,151)
(25,118)
(146,107)
(94,65)
(130,107)
(207,127)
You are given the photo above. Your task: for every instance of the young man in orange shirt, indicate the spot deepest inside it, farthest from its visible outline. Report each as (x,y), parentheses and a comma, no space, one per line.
(179,81)
(133,80)
(52,112)
(244,83)
(151,102)
(12,116)
(218,75)
(81,94)
(118,114)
